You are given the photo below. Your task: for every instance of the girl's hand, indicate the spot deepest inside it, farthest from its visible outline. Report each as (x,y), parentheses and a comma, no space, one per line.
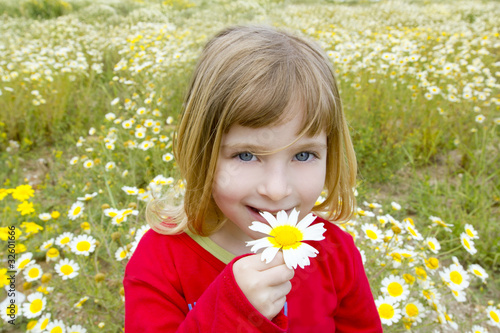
(264,285)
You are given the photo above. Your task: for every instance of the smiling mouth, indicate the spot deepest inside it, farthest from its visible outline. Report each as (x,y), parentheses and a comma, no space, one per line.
(274,213)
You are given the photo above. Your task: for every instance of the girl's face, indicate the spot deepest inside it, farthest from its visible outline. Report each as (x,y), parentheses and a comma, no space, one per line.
(247,183)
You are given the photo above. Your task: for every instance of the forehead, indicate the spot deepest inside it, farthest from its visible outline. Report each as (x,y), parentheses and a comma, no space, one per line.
(272,137)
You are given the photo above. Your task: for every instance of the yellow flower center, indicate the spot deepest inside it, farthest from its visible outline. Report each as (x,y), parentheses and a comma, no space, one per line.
(386,311)
(123,254)
(31,324)
(9,311)
(44,323)
(24,263)
(456,277)
(411,310)
(478,273)
(494,316)
(432,263)
(56,329)
(77,210)
(36,306)
(286,236)
(469,233)
(52,253)
(66,269)
(395,289)
(112,214)
(371,234)
(34,272)
(466,243)
(83,246)
(432,246)
(65,240)
(410,229)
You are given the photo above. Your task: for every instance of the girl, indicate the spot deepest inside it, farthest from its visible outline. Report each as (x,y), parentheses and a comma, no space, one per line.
(262,130)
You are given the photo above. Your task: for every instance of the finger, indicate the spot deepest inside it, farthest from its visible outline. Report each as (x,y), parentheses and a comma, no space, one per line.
(276,261)
(277,275)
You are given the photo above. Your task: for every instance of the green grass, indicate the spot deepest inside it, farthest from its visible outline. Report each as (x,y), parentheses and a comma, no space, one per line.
(429,155)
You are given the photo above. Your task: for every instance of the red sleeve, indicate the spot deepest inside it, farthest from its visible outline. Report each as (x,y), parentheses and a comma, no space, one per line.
(156,304)
(357,311)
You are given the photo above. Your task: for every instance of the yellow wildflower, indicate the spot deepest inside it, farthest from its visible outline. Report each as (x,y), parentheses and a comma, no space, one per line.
(25,208)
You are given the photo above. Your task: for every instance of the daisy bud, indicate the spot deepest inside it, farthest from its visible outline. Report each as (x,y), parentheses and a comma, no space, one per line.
(132,205)
(99,277)
(27,285)
(105,206)
(116,235)
(122,291)
(46,277)
(129,246)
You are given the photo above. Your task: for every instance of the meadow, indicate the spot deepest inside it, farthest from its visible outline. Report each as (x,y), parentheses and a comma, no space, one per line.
(90,93)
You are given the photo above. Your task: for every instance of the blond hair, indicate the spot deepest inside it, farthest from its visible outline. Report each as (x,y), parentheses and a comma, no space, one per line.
(249,75)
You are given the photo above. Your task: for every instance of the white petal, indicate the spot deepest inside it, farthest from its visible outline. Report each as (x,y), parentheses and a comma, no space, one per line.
(282,218)
(306,250)
(270,218)
(290,259)
(269,253)
(314,232)
(260,227)
(259,244)
(294,216)
(306,221)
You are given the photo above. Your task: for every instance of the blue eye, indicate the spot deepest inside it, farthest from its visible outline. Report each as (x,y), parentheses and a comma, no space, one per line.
(246,156)
(303,156)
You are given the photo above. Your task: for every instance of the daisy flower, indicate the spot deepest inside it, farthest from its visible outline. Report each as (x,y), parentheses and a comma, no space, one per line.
(478,329)
(83,245)
(459,295)
(56,326)
(387,309)
(67,269)
(493,316)
(63,239)
(24,260)
(167,157)
(16,310)
(440,222)
(130,190)
(372,232)
(110,116)
(76,329)
(478,271)
(87,164)
(110,166)
(76,210)
(52,254)
(47,244)
(480,119)
(44,217)
(34,306)
(410,227)
(395,206)
(74,160)
(455,277)
(395,287)
(468,243)
(471,232)
(80,303)
(433,244)
(414,310)
(287,235)
(121,253)
(33,272)
(87,197)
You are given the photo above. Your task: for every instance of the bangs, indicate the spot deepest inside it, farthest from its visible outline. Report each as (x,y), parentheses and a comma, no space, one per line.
(264,97)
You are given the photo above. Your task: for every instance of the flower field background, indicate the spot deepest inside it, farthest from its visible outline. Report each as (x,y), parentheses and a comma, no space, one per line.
(90,92)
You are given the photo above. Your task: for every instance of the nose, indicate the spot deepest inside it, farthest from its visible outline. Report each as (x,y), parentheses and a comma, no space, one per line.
(275,184)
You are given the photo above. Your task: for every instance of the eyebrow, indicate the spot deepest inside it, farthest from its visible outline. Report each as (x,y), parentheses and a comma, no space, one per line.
(257,148)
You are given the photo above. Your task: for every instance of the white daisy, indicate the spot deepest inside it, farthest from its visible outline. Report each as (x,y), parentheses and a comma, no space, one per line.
(387,309)
(440,222)
(87,164)
(83,245)
(433,244)
(80,302)
(459,295)
(110,166)
(64,239)
(47,244)
(76,329)
(76,210)
(414,311)
(287,235)
(33,272)
(493,316)
(130,190)
(455,277)
(24,260)
(395,206)
(410,227)
(121,253)
(395,287)
(478,329)
(34,306)
(372,232)
(44,217)
(87,197)
(478,271)
(468,243)
(11,306)
(471,232)
(74,160)
(67,268)
(56,326)
(167,157)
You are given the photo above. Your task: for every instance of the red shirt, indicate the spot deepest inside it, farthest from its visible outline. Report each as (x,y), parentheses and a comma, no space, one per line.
(172,284)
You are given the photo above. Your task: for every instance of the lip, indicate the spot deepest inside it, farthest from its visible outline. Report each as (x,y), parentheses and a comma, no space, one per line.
(257,217)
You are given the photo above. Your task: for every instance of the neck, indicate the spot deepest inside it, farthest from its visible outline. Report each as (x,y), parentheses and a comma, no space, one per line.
(231,239)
